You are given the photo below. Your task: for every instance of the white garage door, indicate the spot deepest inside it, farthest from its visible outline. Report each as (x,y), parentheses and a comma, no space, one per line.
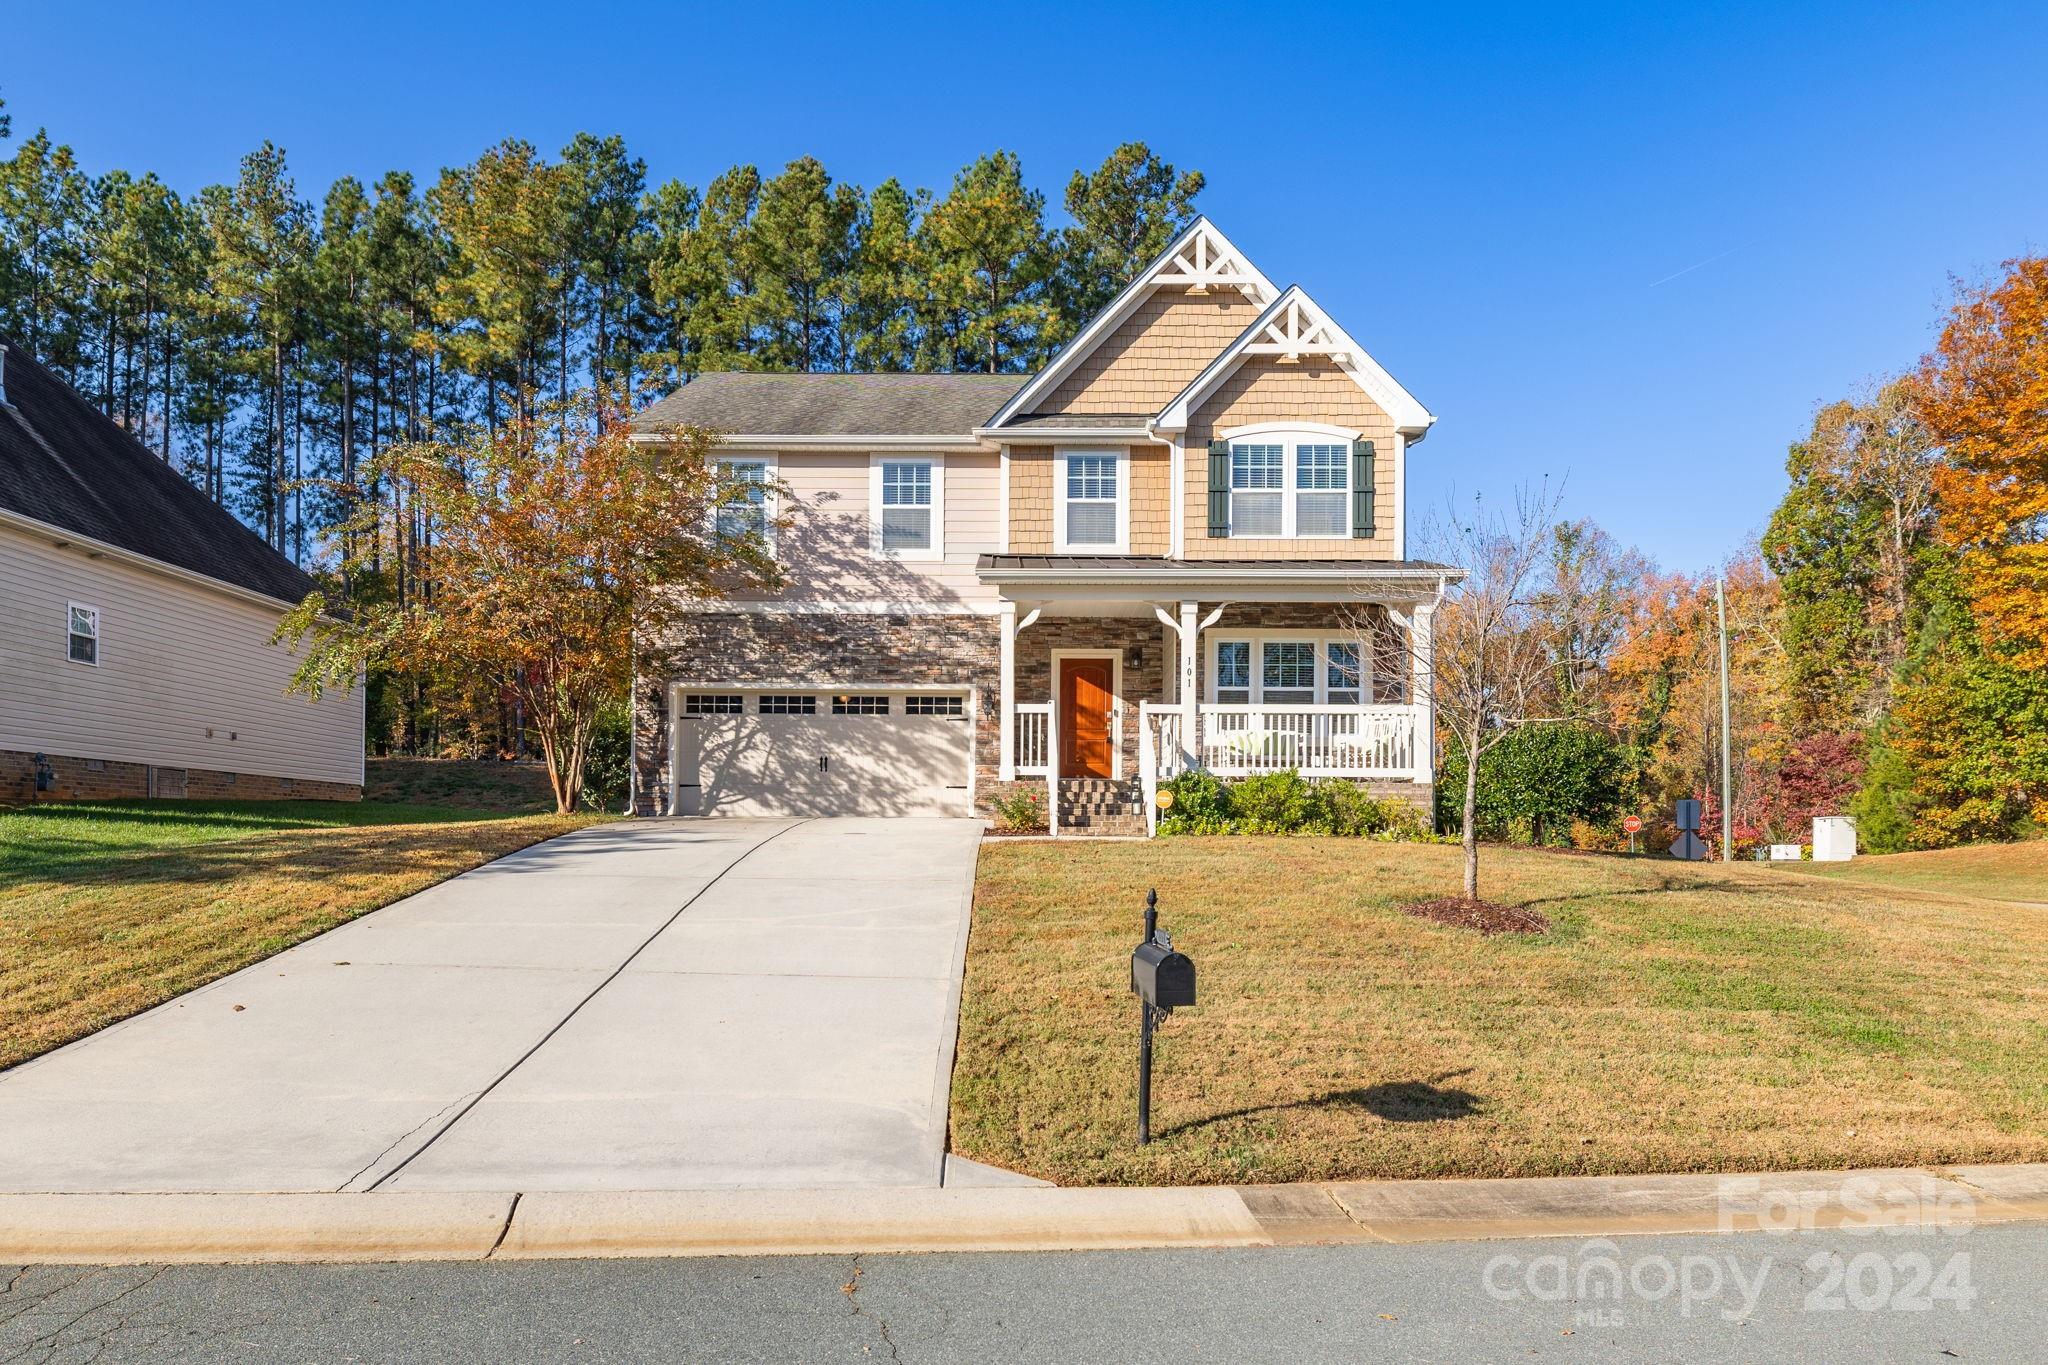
(750,753)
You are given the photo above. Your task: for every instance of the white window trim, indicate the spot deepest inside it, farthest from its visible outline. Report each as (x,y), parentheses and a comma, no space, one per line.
(1122,457)
(1116,699)
(1322,639)
(769,503)
(938,467)
(98,645)
(1290,436)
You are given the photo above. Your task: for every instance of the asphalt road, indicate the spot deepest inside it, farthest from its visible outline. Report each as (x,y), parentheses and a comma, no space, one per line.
(1814,1297)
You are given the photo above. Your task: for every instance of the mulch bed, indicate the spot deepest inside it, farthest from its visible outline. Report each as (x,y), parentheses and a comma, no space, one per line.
(1484,916)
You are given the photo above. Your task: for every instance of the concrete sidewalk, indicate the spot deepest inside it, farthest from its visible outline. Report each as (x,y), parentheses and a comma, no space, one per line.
(390,1226)
(649,1004)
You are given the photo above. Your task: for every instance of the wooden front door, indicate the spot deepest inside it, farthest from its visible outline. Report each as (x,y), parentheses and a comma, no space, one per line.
(1086,696)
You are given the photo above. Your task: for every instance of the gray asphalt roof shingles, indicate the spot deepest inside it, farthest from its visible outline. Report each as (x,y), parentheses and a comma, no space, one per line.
(65,463)
(833,404)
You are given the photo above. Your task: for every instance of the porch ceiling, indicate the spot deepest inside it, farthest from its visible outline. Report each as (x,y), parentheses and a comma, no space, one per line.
(1096,578)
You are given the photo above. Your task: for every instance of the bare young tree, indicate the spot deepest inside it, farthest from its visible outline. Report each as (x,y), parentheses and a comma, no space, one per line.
(1491,659)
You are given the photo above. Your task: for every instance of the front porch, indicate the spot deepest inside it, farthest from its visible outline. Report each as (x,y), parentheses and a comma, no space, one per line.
(1107,691)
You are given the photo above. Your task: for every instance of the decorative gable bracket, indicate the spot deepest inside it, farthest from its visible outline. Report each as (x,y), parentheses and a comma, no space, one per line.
(1205,259)
(1295,326)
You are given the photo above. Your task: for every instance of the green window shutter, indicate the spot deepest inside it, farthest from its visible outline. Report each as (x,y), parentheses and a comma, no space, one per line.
(1362,490)
(1219,488)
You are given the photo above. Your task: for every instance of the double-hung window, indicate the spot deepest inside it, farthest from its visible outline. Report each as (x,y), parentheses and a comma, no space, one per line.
(1290,484)
(1257,489)
(83,627)
(907,497)
(1287,672)
(743,499)
(1090,497)
(1289,669)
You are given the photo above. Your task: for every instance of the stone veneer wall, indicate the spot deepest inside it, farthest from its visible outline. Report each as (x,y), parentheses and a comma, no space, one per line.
(813,650)
(92,779)
(1136,641)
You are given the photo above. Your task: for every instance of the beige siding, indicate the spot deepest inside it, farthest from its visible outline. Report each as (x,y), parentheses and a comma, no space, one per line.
(187,676)
(1155,352)
(1151,500)
(1264,389)
(827,556)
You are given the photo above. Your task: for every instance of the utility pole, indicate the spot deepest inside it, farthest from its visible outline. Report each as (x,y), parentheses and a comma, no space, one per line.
(1727,811)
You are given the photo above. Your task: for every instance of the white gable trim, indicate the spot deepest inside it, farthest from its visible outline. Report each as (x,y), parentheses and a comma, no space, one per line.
(1200,258)
(1293,327)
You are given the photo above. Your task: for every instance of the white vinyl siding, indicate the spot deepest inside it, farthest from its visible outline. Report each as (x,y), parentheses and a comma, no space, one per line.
(186,676)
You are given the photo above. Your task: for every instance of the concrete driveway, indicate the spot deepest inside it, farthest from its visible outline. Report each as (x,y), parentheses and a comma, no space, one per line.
(646,1005)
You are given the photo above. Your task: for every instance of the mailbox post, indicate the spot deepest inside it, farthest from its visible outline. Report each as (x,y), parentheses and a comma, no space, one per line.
(1161,978)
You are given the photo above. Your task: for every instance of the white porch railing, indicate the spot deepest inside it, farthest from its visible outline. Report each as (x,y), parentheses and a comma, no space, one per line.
(1316,741)
(1034,738)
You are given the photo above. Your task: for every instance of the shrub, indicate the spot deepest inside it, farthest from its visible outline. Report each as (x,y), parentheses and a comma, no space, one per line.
(1284,803)
(1022,809)
(1535,784)
(607,764)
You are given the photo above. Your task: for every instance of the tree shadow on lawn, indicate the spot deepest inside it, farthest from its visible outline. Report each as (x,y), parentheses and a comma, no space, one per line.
(1424,1101)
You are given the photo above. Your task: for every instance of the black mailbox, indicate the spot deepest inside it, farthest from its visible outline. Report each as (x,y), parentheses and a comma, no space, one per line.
(1161,976)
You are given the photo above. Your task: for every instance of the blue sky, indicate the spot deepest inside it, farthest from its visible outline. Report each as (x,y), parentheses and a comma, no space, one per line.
(1629,246)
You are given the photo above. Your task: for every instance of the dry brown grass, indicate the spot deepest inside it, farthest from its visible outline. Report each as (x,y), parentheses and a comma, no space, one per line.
(120,929)
(1675,1018)
(2006,872)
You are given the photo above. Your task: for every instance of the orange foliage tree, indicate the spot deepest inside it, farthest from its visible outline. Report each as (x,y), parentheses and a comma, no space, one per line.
(1984,393)
(559,540)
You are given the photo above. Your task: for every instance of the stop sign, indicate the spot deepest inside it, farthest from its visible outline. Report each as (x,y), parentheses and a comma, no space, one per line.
(1632,824)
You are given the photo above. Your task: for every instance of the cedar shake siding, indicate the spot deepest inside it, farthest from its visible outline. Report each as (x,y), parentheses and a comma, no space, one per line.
(1155,352)
(1034,479)
(1267,389)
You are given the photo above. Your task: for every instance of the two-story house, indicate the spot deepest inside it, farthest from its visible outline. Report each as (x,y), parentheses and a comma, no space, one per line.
(1183,542)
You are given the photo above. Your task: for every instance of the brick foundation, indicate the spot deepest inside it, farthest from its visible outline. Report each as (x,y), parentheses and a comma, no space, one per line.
(92,779)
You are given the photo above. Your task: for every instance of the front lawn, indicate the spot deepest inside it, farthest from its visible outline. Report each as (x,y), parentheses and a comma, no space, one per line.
(1674,1018)
(2004,872)
(109,908)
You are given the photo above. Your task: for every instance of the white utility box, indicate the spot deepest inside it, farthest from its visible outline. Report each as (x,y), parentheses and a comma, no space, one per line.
(1834,838)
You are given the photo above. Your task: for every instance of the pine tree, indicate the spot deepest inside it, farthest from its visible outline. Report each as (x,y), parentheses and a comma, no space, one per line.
(879,322)
(609,230)
(703,276)
(1125,212)
(800,250)
(43,198)
(988,260)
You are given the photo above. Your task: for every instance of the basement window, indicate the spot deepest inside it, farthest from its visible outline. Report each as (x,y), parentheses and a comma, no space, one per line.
(83,645)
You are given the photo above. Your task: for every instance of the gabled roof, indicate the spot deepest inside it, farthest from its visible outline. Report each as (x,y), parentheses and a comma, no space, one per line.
(749,403)
(1292,327)
(1201,257)
(65,464)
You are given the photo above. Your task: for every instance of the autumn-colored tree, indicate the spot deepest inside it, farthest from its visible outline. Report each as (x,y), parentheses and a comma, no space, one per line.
(559,543)
(1984,393)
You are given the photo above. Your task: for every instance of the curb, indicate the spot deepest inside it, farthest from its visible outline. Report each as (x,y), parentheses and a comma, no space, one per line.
(393,1225)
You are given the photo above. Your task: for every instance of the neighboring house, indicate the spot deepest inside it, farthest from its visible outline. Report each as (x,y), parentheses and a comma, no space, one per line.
(1184,542)
(135,625)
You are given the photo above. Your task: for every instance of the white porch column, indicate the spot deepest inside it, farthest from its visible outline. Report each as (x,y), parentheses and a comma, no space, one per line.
(1421,649)
(1006,769)
(1190,696)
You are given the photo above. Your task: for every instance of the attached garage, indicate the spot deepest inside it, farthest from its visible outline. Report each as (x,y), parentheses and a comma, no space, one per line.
(749,752)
